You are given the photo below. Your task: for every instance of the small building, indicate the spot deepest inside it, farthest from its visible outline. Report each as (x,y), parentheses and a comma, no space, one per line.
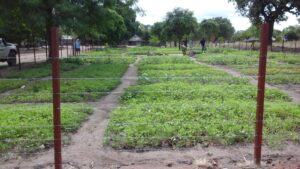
(135,41)
(252,40)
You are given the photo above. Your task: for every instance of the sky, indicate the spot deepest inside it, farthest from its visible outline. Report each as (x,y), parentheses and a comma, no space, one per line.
(155,11)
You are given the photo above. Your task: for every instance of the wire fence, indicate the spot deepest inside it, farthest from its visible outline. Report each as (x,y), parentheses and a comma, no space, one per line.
(33,146)
(35,55)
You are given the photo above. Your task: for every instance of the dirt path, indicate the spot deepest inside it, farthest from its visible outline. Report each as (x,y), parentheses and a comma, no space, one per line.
(294,94)
(86,150)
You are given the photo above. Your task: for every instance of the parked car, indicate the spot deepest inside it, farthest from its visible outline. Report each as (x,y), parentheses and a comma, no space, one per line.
(8,52)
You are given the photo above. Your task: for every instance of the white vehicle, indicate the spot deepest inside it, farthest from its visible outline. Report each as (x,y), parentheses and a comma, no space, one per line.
(8,52)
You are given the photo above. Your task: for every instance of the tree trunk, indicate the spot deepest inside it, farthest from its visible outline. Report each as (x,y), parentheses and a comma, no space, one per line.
(175,44)
(186,42)
(271,28)
(49,24)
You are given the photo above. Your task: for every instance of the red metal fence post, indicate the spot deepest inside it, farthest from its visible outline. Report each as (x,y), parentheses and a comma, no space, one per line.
(56,97)
(261,92)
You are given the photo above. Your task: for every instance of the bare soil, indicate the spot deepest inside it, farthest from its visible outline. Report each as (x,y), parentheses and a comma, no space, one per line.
(86,149)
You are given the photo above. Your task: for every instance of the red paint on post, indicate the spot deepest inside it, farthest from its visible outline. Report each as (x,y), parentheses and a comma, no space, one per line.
(56,97)
(261,92)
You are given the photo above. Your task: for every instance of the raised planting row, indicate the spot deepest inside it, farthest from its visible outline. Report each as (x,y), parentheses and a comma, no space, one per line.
(282,68)
(185,110)
(16,79)
(145,50)
(91,80)
(29,127)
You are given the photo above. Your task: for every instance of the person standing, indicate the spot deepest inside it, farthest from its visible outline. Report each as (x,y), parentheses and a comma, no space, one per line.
(77,46)
(202,42)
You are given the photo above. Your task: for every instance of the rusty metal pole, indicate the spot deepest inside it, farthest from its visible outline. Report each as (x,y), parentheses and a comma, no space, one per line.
(261,92)
(56,97)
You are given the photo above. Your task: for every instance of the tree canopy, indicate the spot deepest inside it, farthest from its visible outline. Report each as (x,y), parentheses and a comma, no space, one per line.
(292,33)
(108,21)
(216,28)
(269,11)
(180,23)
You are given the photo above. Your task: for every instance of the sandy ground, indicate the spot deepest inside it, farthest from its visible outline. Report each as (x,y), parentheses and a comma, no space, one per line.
(292,90)
(86,150)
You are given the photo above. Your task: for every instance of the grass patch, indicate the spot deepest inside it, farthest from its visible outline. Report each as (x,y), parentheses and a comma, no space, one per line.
(183,113)
(25,127)
(75,89)
(29,127)
(11,84)
(16,79)
(282,68)
(160,69)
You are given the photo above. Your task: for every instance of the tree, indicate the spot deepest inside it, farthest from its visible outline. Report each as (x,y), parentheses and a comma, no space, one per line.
(124,8)
(225,27)
(215,28)
(292,33)
(16,26)
(105,20)
(158,31)
(269,11)
(277,34)
(251,32)
(144,32)
(180,23)
(210,29)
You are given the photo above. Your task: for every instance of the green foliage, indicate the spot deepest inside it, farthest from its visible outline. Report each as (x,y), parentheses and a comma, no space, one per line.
(292,33)
(270,11)
(154,41)
(158,30)
(14,80)
(182,113)
(209,28)
(108,21)
(180,23)
(11,84)
(27,127)
(216,28)
(73,90)
(251,32)
(282,68)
